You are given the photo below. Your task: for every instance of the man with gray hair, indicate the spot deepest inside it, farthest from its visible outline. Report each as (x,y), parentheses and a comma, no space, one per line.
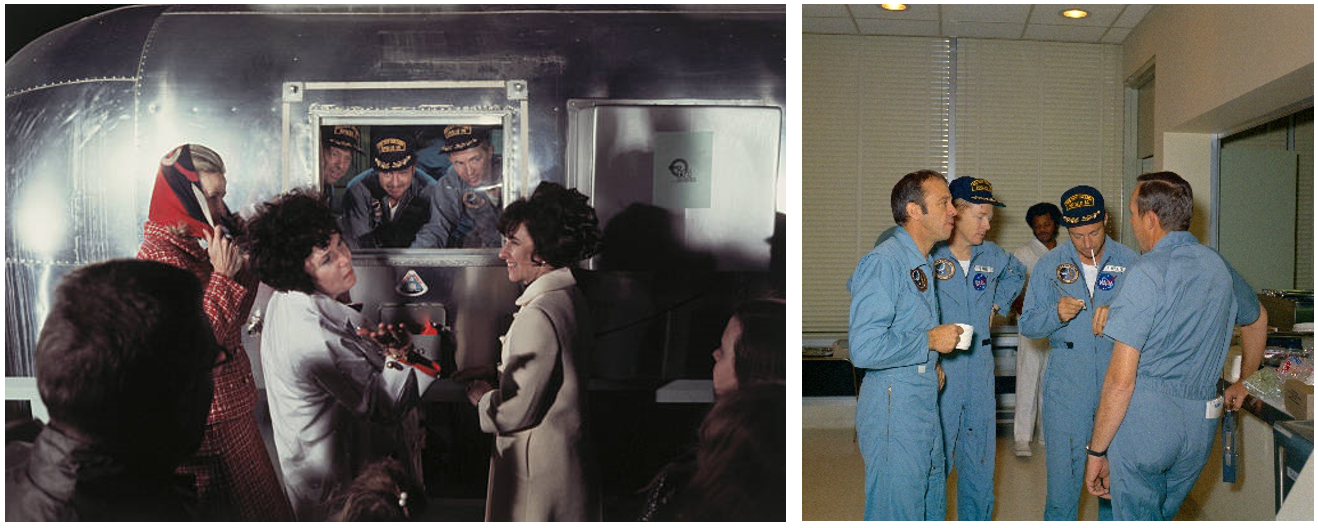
(466,202)
(895,337)
(1172,324)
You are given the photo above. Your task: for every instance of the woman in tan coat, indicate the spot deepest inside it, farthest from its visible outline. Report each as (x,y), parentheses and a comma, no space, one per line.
(542,467)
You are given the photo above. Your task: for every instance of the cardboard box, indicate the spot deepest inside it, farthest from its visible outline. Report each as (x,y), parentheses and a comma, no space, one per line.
(1298,398)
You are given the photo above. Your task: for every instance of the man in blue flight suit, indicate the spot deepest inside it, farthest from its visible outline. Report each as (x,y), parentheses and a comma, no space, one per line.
(1172,324)
(1067,301)
(388,206)
(895,337)
(974,279)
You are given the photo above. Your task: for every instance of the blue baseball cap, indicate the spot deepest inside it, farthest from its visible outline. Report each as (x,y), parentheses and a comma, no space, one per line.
(974,190)
(1082,205)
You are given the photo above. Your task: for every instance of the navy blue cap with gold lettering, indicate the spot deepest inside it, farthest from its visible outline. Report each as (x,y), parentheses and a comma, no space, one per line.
(974,190)
(1082,205)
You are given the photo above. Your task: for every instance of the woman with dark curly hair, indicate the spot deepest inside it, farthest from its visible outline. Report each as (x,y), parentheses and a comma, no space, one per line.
(234,477)
(338,397)
(542,465)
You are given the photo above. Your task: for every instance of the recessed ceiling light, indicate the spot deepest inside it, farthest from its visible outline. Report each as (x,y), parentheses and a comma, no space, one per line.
(893,7)
(1075,13)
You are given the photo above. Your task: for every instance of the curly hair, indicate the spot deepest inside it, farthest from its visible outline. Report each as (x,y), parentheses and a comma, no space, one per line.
(562,224)
(382,491)
(1041,209)
(282,234)
(761,353)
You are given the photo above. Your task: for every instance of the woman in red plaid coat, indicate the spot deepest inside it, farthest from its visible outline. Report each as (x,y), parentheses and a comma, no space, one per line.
(234,476)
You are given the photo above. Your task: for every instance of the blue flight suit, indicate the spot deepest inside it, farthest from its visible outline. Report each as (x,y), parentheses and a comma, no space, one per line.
(1178,308)
(968,405)
(893,306)
(1077,364)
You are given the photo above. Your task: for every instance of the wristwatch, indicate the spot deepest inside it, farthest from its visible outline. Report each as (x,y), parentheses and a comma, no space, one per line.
(1092,453)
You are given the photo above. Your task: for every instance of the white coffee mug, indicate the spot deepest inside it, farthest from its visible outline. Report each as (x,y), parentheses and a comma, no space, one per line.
(967,335)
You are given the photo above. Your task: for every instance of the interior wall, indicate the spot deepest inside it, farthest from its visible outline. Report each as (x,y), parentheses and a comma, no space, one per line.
(1218,67)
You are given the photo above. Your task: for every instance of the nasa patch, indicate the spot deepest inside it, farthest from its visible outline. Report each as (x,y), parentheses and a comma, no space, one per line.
(981,282)
(921,282)
(1106,281)
(943,269)
(1068,273)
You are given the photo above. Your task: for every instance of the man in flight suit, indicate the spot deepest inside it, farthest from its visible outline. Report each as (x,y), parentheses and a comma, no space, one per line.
(1067,301)
(1172,324)
(974,279)
(895,337)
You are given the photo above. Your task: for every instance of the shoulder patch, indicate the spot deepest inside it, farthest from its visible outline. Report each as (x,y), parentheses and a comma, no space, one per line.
(1068,273)
(943,269)
(918,277)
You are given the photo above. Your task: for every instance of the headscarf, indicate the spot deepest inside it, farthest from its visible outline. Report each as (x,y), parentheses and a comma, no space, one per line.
(177,197)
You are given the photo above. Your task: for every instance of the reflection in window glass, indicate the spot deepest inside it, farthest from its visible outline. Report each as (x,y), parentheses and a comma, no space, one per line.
(424,186)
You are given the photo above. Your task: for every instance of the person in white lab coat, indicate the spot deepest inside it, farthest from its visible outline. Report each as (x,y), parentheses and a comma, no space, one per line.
(338,399)
(542,465)
(1032,354)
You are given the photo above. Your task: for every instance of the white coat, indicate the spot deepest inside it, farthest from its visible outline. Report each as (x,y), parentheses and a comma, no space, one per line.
(333,404)
(542,467)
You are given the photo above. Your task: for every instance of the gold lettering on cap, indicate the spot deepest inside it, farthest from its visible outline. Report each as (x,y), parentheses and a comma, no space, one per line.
(981,185)
(391,145)
(1079,200)
(349,131)
(456,130)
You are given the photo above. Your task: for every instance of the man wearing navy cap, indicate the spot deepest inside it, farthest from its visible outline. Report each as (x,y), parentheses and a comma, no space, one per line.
(1067,301)
(975,278)
(465,204)
(896,338)
(1172,324)
(337,146)
(387,207)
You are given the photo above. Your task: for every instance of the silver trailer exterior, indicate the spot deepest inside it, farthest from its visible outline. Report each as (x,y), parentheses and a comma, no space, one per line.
(597,98)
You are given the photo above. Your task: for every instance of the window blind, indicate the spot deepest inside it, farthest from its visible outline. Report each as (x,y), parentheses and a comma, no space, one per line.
(1034,118)
(873,110)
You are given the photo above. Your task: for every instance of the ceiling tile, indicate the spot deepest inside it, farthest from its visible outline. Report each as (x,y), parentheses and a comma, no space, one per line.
(1099,14)
(912,12)
(986,13)
(828,25)
(983,30)
(1108,23)
(1132,16)
(1116,35)
(924,28)
(1063,33)
(824,10)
